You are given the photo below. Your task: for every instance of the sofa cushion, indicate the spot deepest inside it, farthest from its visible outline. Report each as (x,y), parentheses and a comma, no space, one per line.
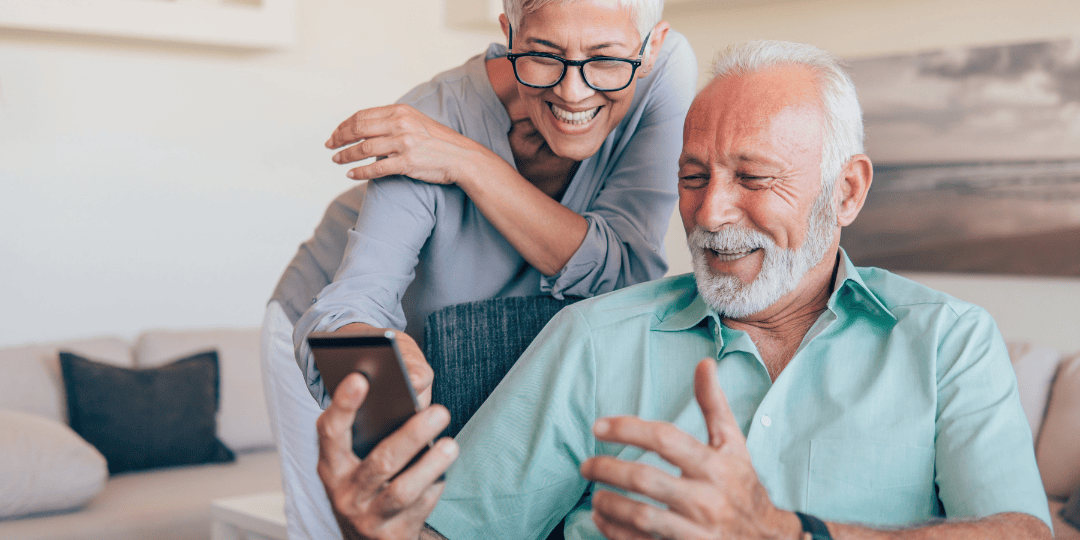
(1058,448)
(30,375)
(146,418)
(1035,366)
(45,466)
(243,422)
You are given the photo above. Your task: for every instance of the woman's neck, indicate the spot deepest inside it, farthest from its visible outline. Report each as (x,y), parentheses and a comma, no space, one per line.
(534,159)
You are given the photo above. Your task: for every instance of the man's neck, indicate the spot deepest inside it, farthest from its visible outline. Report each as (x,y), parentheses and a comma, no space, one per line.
(779,330)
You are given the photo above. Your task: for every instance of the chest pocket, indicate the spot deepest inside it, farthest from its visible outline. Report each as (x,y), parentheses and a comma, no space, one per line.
(870,482)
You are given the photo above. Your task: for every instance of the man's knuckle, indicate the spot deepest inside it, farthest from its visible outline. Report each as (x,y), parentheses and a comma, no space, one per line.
(324,428)
(380,464)
(397,496)
(668,439)
(643,518)
(640,479)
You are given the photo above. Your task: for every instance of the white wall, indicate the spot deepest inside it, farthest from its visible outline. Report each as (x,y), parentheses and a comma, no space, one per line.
(154,185)
(151,185)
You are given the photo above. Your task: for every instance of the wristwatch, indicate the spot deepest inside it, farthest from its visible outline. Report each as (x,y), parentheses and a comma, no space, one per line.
(813,528)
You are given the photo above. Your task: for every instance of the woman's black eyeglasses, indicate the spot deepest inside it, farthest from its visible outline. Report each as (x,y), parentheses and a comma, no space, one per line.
(601,73)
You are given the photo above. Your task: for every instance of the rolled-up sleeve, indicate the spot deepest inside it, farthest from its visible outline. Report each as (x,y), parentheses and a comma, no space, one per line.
(629,217)
(380,259)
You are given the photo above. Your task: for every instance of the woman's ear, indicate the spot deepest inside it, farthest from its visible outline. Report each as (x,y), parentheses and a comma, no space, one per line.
(854,184)
(505,24)
(656,39)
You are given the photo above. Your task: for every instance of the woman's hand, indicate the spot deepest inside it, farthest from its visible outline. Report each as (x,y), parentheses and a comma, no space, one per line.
(407,142)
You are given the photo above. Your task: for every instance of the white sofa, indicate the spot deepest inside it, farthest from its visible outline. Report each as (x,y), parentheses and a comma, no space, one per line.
(61,471)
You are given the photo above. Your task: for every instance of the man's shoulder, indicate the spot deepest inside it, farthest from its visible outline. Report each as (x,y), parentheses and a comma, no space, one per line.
(654,300)
(898,293)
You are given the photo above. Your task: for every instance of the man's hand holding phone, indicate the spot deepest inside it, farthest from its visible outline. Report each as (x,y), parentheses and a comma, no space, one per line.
(382,495)
(420,374)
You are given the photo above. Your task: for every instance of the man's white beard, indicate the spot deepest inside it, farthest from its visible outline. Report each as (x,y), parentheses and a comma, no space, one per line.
(781,270)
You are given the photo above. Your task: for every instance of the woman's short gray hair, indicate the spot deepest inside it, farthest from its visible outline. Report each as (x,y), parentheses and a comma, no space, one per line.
(646,12)
(843,137)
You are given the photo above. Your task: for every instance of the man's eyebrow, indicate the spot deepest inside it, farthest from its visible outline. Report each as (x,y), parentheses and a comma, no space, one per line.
(690,160)
(759,159)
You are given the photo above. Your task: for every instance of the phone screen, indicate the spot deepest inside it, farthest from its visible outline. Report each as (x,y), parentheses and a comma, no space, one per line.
(390,400)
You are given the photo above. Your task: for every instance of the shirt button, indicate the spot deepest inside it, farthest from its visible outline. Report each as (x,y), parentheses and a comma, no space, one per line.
(766,421)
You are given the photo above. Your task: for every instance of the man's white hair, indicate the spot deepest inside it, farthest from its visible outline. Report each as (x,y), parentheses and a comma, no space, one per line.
(646,12)
(843,136)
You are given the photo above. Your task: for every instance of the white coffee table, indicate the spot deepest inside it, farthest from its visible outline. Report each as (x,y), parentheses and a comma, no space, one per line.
(249,517)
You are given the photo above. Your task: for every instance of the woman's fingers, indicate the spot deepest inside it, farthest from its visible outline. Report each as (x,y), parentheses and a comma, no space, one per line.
(360,125)
(370,148)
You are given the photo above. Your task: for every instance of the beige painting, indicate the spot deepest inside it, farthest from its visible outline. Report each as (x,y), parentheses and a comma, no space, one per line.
(976,157)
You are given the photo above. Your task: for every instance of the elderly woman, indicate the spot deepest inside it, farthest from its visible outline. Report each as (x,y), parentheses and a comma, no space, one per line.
(544,167)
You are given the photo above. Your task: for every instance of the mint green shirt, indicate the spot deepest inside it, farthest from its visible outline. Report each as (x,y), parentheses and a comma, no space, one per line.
(899,406)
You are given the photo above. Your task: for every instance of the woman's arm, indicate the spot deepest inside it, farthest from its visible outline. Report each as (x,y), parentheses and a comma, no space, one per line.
(544,232)
(379,263)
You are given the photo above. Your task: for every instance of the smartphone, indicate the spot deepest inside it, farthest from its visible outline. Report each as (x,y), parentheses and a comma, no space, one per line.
(390,400)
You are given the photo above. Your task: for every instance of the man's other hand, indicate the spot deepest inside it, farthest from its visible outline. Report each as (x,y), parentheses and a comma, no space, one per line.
(718,494)
(368,499)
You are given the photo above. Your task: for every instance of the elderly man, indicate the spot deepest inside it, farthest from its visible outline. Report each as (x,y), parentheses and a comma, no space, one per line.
(833,400)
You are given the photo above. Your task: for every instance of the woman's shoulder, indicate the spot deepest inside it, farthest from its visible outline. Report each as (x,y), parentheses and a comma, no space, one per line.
(455,97)
(677,61)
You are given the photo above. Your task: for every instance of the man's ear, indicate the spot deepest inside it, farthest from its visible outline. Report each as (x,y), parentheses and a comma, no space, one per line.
(853,186)
(505,24)
(656,40)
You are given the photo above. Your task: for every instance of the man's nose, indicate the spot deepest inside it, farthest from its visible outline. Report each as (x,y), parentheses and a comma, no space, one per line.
(719,207)
(572,88)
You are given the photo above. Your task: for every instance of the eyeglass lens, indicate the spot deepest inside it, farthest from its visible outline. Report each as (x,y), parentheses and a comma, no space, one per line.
(600,74)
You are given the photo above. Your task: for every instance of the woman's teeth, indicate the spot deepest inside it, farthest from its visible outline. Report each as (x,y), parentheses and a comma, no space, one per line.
(575,118)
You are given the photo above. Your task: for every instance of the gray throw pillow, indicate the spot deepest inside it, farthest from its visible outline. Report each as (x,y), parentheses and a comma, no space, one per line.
(146,418)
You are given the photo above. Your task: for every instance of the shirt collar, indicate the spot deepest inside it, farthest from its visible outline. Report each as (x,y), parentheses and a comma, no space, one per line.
(849,293)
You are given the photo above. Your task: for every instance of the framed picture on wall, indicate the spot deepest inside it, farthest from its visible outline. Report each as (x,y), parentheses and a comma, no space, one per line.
(976,157)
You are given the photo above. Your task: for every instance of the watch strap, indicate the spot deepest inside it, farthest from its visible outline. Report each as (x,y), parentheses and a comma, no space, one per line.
(813,528)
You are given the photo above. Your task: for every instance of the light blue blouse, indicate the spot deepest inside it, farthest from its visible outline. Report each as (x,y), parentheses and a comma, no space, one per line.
(418,247)
(898,398)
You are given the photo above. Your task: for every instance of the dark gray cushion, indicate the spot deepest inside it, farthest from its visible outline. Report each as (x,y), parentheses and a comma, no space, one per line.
(1071,511)
(146,418)
(472,346)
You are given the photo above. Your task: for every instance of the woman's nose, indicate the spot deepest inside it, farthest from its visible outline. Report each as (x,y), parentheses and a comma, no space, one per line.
(572,88)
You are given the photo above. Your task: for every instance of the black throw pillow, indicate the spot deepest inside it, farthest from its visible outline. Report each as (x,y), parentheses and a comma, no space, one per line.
(146,418)
(1071,511)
